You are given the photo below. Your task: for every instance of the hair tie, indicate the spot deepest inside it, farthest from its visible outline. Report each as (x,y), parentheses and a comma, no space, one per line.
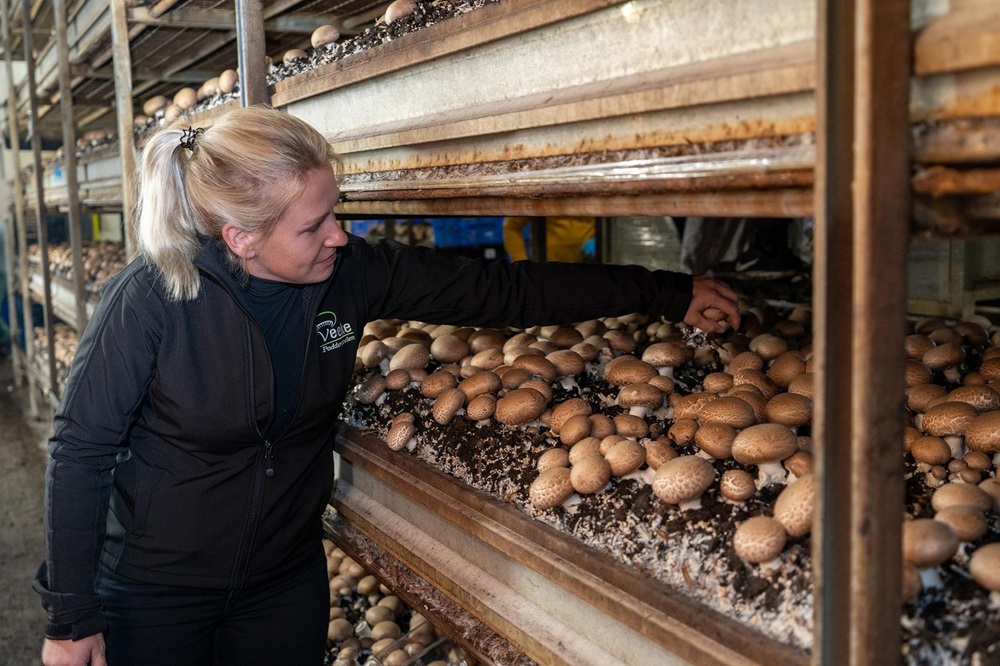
(189,136)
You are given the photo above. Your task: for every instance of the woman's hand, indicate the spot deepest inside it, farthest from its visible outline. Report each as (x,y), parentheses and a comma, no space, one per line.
(706,295)
(89,650)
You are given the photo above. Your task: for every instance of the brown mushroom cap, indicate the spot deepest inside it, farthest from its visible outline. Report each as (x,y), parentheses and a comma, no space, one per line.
(729,410)
(447,404)
(803,384)
(399,9)
(557,457)
(449,348)
(928,542)
(412,355)
(790,409)
(293,54)
(768,346)
(683,478)
(478,383)
(717,382)
(630,370)
(983,433)
(716,440)
(436,383)
(397,379)
(948,418)
(481,407)
(759,539)
(682,431)
(567,409)
(737,485)
(399,435)
(590,474)
(659,451)
(154,104)
(520,406)
(984,566)
(944,356)
(585,447)
(917,373)
(640,395)
(980,396)
(990,367)
(931,450)
(786,367)
(916,345)
(961,494)
(539,366)
(765,442)
(627,425)
(919,397)
(371,389)
(756,378)
(551,488)
(324,36)
(665,354)
(487,359)
(690,406)
(625,457)
(747,360)
(991,486)
(575,428)
(794,506)
(567,362)
(968,522)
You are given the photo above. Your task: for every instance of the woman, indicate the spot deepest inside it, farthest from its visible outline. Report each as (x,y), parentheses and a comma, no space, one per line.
(191,456)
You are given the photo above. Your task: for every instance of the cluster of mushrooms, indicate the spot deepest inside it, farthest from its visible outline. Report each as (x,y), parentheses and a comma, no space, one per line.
(101,260)
(166,110)
(65,341)
(749,410)
(367,620)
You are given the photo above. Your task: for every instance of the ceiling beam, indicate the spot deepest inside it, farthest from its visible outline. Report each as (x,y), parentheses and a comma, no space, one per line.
(223,19)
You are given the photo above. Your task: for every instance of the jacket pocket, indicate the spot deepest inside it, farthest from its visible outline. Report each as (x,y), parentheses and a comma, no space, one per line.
(136,487)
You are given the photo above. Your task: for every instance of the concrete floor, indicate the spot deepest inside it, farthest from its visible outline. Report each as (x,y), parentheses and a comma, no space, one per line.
(22,470)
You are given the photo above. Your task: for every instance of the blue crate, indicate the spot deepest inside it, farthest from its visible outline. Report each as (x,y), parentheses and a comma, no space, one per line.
(467,231)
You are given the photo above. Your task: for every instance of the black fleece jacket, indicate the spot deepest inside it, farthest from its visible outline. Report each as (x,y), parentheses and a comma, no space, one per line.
(158,464)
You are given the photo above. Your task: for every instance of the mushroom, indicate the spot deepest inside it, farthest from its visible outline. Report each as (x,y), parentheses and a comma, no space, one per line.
(520,406)
(585,447)
(447,404)
(984,566)
(765,445)
(437,383)
(930,450)
(968,522)
(794,506)
(916,345)
(786,368)
(482,407)
(399,9)
(627,425)
(665,356)
(539,366)
(737,485)
(629,370)
(682,480)
(567,409)
(479,383)
(185,98)
(397,379)
(759,539)
(155,104)
(291,55)
(747,360)
(449,348)
(717,382)
(716,440)
(551,488)
(325,35)
(983,434)
(590,474)
(487,359)
(371,390)
(557,457)
(412,355)
(690,406)
(682,431)
(961,494)
(640,398)
(919,397)
(575,428)
(950,421)
(764,384)
(729,410)
(625,457)
(803,384)
(926,544)
(601,425)
(980,396)
(789,409)
(659,451)
(945,358)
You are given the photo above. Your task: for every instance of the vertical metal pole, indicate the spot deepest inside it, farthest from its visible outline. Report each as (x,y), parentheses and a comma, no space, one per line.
(251,53)
(538,250)
(862,231)
(122,58)
(69,150)
(41,212)
(8,252)
(22,239)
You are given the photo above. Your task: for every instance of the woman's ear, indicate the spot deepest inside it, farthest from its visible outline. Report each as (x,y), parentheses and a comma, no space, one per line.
(240,241)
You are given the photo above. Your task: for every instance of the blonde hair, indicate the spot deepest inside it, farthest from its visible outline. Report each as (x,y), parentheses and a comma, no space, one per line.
(245,170)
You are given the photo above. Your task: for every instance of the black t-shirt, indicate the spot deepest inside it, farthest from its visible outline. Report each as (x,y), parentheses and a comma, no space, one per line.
(277,308)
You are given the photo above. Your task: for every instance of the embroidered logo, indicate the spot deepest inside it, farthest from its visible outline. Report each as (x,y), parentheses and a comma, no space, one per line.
(332,335)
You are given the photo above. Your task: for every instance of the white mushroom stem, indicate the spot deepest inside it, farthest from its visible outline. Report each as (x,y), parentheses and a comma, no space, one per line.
(688,505)
(383,366)
(770,566)
(411,444)
(666,370)
(770,473)
(638,410)
(568,383)
(952,375)
(996,459)
(957,445)
(642,475)
(572,504)
(917,420)
(702,454)
(930,577)
(932,481)
(382,398)
(923,467)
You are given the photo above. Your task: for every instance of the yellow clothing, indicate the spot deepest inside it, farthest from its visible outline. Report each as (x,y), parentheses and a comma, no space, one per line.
(564,237)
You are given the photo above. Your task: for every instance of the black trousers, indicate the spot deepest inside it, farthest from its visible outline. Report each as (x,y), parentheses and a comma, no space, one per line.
(281,622)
